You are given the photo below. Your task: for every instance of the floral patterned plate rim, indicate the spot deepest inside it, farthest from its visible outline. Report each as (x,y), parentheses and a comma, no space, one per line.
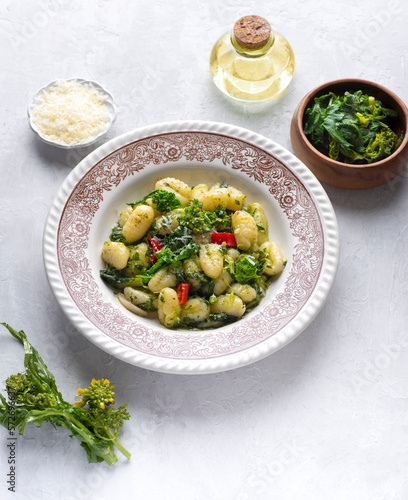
(91,198)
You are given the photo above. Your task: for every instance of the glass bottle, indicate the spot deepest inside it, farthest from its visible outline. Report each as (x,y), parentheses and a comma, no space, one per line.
(252,63)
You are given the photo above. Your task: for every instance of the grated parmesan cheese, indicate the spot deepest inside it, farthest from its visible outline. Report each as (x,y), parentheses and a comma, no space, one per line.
(70,112)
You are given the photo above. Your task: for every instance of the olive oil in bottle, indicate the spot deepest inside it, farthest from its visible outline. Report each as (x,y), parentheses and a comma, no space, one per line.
(252,63)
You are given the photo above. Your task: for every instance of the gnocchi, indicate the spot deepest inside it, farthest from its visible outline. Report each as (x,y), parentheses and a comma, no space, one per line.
(229,304)
(115,254)
(245,230)
(222,282)
(245,292)
(138,259)
(192,272)
(274,263)
(236,199)
(162,279)
(144,300)
(211,260)
(257,212)
(195,311)
(201,193)
(194,257)
(168,308)
(138,223)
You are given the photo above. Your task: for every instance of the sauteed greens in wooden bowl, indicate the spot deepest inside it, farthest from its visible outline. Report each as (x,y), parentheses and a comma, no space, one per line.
(352,128)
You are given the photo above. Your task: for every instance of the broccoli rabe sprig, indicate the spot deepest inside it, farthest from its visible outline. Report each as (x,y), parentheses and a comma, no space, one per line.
(34,398)
(164,201)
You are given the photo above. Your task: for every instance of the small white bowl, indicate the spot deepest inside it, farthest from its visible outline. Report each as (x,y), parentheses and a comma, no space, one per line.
(109,103)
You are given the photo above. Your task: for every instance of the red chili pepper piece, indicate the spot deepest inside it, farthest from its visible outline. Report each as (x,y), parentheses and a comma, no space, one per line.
(155,244)
(220,238)
(182,292)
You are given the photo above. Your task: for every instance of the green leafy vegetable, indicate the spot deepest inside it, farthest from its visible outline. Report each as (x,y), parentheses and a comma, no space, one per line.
(164,201)
(196,220)
(249,268)
(352,128)
(34,398)
(217,319)
(116,234)
(166,256)
(177,246)
(116,279)
(246,269)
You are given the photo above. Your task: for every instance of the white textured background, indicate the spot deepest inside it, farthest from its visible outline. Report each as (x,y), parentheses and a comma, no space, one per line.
(323,419)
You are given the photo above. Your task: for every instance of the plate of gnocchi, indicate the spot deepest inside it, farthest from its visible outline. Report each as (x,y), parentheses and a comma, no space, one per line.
(191,247)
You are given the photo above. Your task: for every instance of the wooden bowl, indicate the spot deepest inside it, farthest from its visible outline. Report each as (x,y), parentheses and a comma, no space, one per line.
(340,174)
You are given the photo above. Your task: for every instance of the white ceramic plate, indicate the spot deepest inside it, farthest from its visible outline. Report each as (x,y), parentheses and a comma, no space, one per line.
(125,169)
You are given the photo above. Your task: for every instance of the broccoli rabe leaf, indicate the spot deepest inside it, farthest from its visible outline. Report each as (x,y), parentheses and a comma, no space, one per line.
(167,256)
(217,319)
(246,269)
(117,280)
(117,235)
(352,128)
(249,268)
(34,398)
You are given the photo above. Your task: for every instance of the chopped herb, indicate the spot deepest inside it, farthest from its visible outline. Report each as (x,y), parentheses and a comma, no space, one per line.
(197,220)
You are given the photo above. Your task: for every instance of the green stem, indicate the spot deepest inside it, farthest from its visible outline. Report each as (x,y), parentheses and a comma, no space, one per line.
(99,447)
(118,445)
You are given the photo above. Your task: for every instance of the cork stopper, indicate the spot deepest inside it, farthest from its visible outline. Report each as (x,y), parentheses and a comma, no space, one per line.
(252,32)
